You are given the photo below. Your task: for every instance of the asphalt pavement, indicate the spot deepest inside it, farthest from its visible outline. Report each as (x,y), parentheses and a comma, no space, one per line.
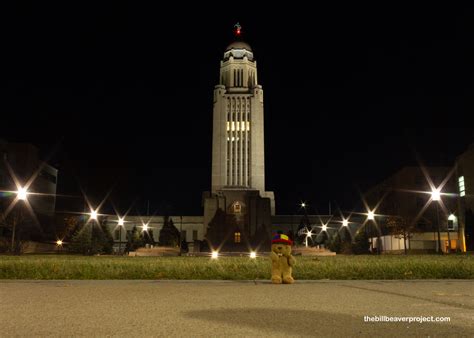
(235,308)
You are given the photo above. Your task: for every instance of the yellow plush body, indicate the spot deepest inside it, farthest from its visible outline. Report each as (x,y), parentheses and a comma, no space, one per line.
(282,262)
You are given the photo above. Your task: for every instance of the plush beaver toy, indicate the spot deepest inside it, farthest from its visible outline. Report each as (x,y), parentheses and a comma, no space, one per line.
(282,260)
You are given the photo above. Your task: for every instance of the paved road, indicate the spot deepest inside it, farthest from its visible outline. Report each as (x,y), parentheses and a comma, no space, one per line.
(222,309)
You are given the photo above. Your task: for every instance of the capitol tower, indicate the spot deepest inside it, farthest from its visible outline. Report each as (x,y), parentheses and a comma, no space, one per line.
(237,207)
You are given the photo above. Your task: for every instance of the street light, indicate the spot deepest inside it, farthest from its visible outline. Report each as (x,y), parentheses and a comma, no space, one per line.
(253,254)
(451,218)
(180,234)
(214,254)
(345,223)
(370,215)
(121,223)
(308,235)
(59,244)
(93,215)
(21,193)
(436,196)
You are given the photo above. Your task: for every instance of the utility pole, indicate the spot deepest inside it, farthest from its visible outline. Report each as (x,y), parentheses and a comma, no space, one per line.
(180,232)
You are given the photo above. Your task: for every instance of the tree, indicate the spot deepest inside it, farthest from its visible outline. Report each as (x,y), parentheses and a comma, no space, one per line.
(169,234)
(346,241)
(336,244)
(92,239)
(81,240)
(135,240)
(361,243)
(322,238)
(67,228)
(148,237)
(20,228)
(402,228)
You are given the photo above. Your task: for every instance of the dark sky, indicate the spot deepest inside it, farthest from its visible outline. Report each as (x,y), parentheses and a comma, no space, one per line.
(123,93)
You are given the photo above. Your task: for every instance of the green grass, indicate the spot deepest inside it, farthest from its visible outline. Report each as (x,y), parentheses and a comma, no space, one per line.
(237,268)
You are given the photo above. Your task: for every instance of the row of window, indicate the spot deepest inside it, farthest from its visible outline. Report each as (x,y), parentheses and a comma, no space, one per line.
(239,126)
(462,187)
(238,77)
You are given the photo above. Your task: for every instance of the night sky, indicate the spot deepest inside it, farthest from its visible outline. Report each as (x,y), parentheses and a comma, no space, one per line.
(121,96)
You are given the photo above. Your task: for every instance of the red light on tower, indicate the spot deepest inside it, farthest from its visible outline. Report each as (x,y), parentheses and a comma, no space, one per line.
(237,29)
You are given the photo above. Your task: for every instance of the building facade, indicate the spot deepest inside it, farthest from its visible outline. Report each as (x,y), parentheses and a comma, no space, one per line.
(238,207)
(23,161)
(406,197)
(465,188)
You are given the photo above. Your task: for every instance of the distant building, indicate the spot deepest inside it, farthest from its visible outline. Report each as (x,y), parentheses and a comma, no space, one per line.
(407,195)
(24,161)
(465,188)
(238,208)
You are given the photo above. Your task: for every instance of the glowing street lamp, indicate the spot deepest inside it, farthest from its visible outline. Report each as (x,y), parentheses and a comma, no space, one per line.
(370,215)
(59,245)
(324,227)
(303,204)
(345,223)
(308,235)
(253,254)
(145,226)
(21,193)
(214,255)
(93,215)
(121,221)
(435,195)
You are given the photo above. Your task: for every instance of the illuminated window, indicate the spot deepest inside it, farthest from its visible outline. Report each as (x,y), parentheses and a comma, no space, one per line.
(237,237)
(462,187)
(237,208)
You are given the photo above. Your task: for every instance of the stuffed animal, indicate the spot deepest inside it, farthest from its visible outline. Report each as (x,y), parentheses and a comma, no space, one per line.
(282,260)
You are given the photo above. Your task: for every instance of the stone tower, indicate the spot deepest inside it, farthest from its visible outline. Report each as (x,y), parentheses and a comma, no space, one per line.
(238,161)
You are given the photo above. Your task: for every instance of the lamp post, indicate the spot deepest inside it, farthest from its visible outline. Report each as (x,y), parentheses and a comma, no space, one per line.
(180,234)
(121,222)
(21,195)
(93,216)
(451,218)
(436,196)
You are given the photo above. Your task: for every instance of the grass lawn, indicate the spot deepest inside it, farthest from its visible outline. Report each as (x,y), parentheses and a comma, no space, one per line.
(238,268)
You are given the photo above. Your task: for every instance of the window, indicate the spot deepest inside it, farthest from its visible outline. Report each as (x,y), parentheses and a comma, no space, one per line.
(195,235)
(237,237)
(450,224)
(237,208)
(462,187)
(117,235)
